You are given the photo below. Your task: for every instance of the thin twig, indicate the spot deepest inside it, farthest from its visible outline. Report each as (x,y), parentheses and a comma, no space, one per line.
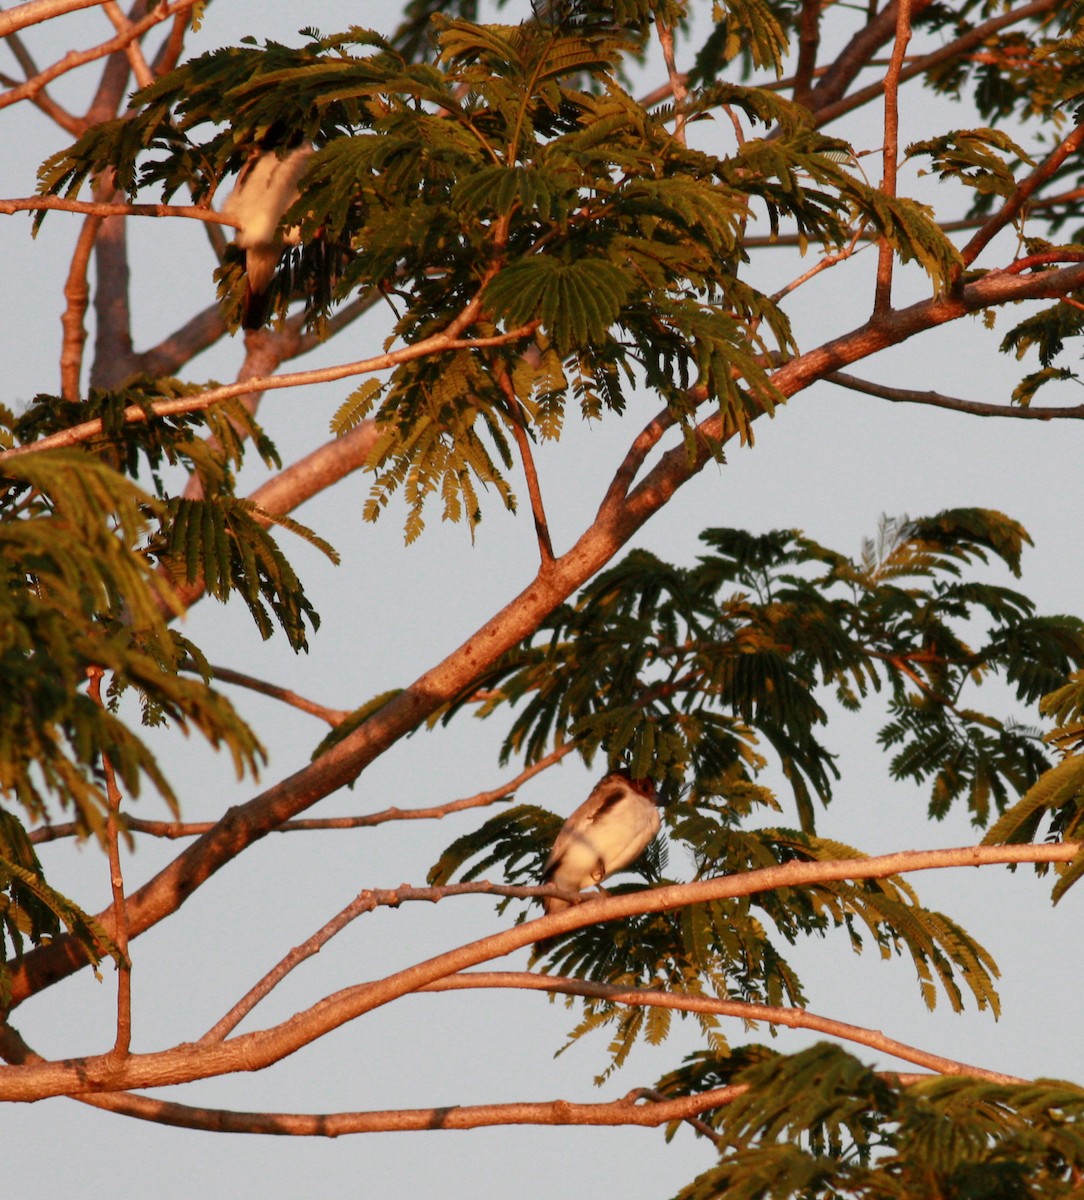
(183,829)
(434,344)
(829,260)
(333,716)
(792,1018)
(977,408)
(886,255)
(518,422)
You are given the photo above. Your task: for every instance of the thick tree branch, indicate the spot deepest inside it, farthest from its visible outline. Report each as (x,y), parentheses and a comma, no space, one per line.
(827,110)
(254,1051)
(809,40)
(285,800)
(858,54)
(33,12)
(73,320)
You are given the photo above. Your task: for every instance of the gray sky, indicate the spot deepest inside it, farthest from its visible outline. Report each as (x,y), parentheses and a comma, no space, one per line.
(830,463)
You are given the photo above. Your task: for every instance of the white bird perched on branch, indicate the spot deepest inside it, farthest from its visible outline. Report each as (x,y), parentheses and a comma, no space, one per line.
(610,830)
(265,189)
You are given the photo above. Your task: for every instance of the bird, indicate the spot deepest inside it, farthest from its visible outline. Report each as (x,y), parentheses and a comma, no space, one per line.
(610,830)
(265,189)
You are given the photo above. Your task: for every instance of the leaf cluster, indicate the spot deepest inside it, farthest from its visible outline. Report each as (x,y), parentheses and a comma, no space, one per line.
(90,565)
(820,1124)
(702,676)
(713,672)
(516,168)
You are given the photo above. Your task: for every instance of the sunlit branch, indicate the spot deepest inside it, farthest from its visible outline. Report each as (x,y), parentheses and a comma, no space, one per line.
(890,153)
(79,58)
(77,298)
(366,901)
(434,812)
(254,1051)
(134,53)
(976,408)
(880,29)
(677,79)
(826,112)
(333,716)
(66,120)
(436,343)
(1015,204)
(95,208)
(119,912)
(823,264)
(645,441)
(518,424)
(33,12)
(171,49)
(243,824)
(626,1111)
(793,1018)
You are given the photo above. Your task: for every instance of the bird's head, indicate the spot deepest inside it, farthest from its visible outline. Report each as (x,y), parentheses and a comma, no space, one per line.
(645,785)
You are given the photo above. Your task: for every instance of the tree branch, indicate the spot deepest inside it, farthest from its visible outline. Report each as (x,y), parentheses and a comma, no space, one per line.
(33,12)
(333,716)
(254,1051)
(518,425)
(119,912)
(246,823)
(890,152)
(132,50)
(448,340)
(1016,202)
(79,58)
(792,1018)
(73,320)
(826,109)
(677,79)
(436,812)
(976,408)
(102,208)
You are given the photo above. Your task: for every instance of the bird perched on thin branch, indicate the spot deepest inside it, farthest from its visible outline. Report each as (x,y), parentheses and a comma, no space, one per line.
(610,830)
(265,189)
